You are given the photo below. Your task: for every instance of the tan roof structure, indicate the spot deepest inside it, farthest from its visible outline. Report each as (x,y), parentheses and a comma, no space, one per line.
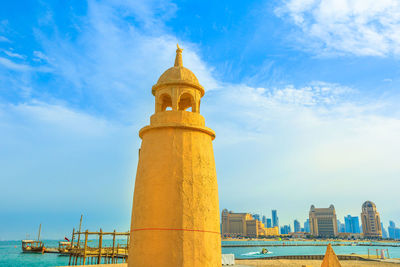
(178,75)
(330,259)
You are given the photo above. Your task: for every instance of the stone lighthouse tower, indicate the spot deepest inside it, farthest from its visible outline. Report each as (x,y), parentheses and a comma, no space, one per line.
(175,214)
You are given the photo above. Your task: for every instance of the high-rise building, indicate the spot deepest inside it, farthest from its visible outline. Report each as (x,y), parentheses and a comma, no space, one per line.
(257,217)
(352,224)
(341,227)
(371,222)
(297,227)
(307,226)
(264,220)
(275,219)
(384,233)
(285,229)
(269,223)
(394,232)
(323,221)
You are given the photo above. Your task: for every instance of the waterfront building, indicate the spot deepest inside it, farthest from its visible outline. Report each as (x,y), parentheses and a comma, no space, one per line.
(275,219)
(297,227)
(256,216)
(307,226)
(323,221)
(175,214)
(269,223)
(394,232)
(352,224)
(244,224)
(286,229)
(371,222)
(384,233)
(341,227)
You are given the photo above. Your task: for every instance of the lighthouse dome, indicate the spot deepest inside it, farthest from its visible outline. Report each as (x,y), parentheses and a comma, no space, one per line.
(178,75)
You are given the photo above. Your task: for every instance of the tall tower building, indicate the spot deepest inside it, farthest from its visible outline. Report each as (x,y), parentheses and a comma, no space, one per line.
(296,225)
(352,224)
(175,214)
(323,221)
(371,222)
(275,219)
(307,226)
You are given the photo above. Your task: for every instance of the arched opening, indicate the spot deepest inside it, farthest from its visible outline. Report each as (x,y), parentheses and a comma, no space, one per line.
(165,102)
(186,102)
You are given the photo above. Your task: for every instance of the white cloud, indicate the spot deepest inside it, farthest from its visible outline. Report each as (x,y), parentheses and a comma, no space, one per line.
(4,39)
(359,27)
(14,66)
(12,54)
(112,61)
(39,56)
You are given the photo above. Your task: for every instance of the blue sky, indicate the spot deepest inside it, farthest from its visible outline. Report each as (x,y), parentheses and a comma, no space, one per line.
(303,96)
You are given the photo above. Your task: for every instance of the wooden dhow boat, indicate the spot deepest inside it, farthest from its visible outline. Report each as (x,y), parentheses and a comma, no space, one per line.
(35,246)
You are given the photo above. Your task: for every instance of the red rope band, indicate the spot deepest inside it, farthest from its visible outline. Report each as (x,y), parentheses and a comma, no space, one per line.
(171,229)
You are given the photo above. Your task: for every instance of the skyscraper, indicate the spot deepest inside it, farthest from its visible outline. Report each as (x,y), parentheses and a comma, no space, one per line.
(352,224)
(275,219)
(285,229)
(297,227)
(307,226)
(264,220)
(394,232)
(384,233)
(341,227)
(323,221)
(257,217)
(269,223)
(371,222)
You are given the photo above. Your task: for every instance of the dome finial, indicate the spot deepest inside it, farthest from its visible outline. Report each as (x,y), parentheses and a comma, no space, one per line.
(178,59)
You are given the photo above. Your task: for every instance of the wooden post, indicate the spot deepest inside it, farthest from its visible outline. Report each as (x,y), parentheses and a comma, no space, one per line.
(387,251)
(368,253)
(377,256)
(113,247)
(117,252)
(100,245)
(79,233)
(84,250)
(72,245)
(72,239)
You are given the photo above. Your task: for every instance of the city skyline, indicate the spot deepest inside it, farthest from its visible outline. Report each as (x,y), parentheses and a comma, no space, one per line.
(302,115)
(355,221)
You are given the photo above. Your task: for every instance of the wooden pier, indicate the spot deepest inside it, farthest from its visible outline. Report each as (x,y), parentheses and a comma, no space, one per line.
(82,254)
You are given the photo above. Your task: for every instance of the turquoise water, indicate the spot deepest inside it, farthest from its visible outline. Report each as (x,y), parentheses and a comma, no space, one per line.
(345,249)
(11,253)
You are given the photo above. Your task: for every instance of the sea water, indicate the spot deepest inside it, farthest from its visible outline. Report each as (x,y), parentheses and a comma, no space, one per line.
(11,253)
(340,248)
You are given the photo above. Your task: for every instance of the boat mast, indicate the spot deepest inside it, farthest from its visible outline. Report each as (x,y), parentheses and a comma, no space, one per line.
(40,228)
(79,232)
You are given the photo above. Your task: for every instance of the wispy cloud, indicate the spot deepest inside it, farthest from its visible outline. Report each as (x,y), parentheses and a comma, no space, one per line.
(14,55)
(14,66)
(112,61)
(4,39)
(358,27)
